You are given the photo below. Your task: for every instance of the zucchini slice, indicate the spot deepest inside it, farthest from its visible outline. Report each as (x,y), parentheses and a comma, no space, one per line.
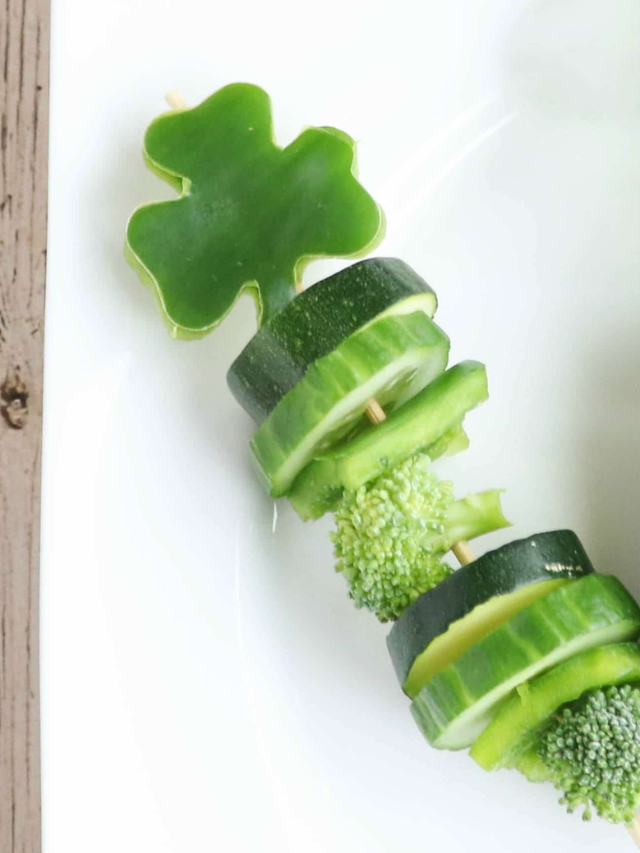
(389,360)
(316,322)
(514,729)
(417,425)
(440,625)
(458,703)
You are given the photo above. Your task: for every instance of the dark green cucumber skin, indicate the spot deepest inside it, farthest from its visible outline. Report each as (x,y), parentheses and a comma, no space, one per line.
(313,325)
(498,572)
(587,606)
(410,429)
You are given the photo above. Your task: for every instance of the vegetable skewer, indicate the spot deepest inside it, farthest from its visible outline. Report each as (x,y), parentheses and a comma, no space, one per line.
(502,654)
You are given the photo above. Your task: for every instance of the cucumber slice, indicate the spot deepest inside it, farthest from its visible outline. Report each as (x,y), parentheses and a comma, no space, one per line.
(445,621)
(316,322)
(458,703)
(514,729)
(389,360)
(438,408)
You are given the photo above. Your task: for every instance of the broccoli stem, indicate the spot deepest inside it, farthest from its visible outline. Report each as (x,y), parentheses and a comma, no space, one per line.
(533,767)
(468,518)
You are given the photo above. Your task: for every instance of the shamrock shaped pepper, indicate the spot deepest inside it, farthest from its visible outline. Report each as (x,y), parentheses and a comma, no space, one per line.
(250,214)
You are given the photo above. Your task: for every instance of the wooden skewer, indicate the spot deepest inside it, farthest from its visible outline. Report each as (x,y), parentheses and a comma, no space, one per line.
(463,552)
(634,830)
(376,415)
(375,412)
(175,100)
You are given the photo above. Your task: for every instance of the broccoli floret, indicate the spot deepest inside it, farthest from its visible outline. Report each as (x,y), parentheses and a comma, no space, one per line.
(393,532)
(592,753)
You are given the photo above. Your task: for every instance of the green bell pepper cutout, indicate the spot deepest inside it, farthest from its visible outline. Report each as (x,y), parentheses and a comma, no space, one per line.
(250,214)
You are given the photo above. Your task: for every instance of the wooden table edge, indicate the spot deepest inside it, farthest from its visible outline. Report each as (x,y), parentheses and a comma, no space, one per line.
(24,97)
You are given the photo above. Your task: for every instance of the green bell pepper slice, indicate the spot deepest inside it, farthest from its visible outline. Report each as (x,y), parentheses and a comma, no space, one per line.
(250,214)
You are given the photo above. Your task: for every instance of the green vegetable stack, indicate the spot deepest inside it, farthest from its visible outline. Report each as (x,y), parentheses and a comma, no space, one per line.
(526,655)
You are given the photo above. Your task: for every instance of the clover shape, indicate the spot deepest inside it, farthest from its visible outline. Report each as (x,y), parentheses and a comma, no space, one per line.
(250,215)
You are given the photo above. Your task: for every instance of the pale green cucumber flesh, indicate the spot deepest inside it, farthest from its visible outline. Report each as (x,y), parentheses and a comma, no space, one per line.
(415,426)
(459,702)
(469,629)
(316,322)
(443,622)
(390,360)
(514,728)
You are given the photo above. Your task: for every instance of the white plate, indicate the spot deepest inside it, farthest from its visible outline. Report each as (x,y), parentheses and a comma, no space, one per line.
(206,684)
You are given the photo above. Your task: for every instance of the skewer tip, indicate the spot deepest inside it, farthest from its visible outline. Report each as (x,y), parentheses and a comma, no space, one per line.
(463,553)
(634,830)
(175,100)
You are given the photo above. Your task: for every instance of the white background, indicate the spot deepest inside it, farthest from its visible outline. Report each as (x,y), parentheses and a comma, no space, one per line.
(207,685)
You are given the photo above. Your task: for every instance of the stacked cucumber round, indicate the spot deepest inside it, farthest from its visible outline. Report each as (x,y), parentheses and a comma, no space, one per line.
(317,322)
(496,655)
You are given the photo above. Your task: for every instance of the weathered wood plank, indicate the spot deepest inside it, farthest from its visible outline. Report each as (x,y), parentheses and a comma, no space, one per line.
(24,68)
